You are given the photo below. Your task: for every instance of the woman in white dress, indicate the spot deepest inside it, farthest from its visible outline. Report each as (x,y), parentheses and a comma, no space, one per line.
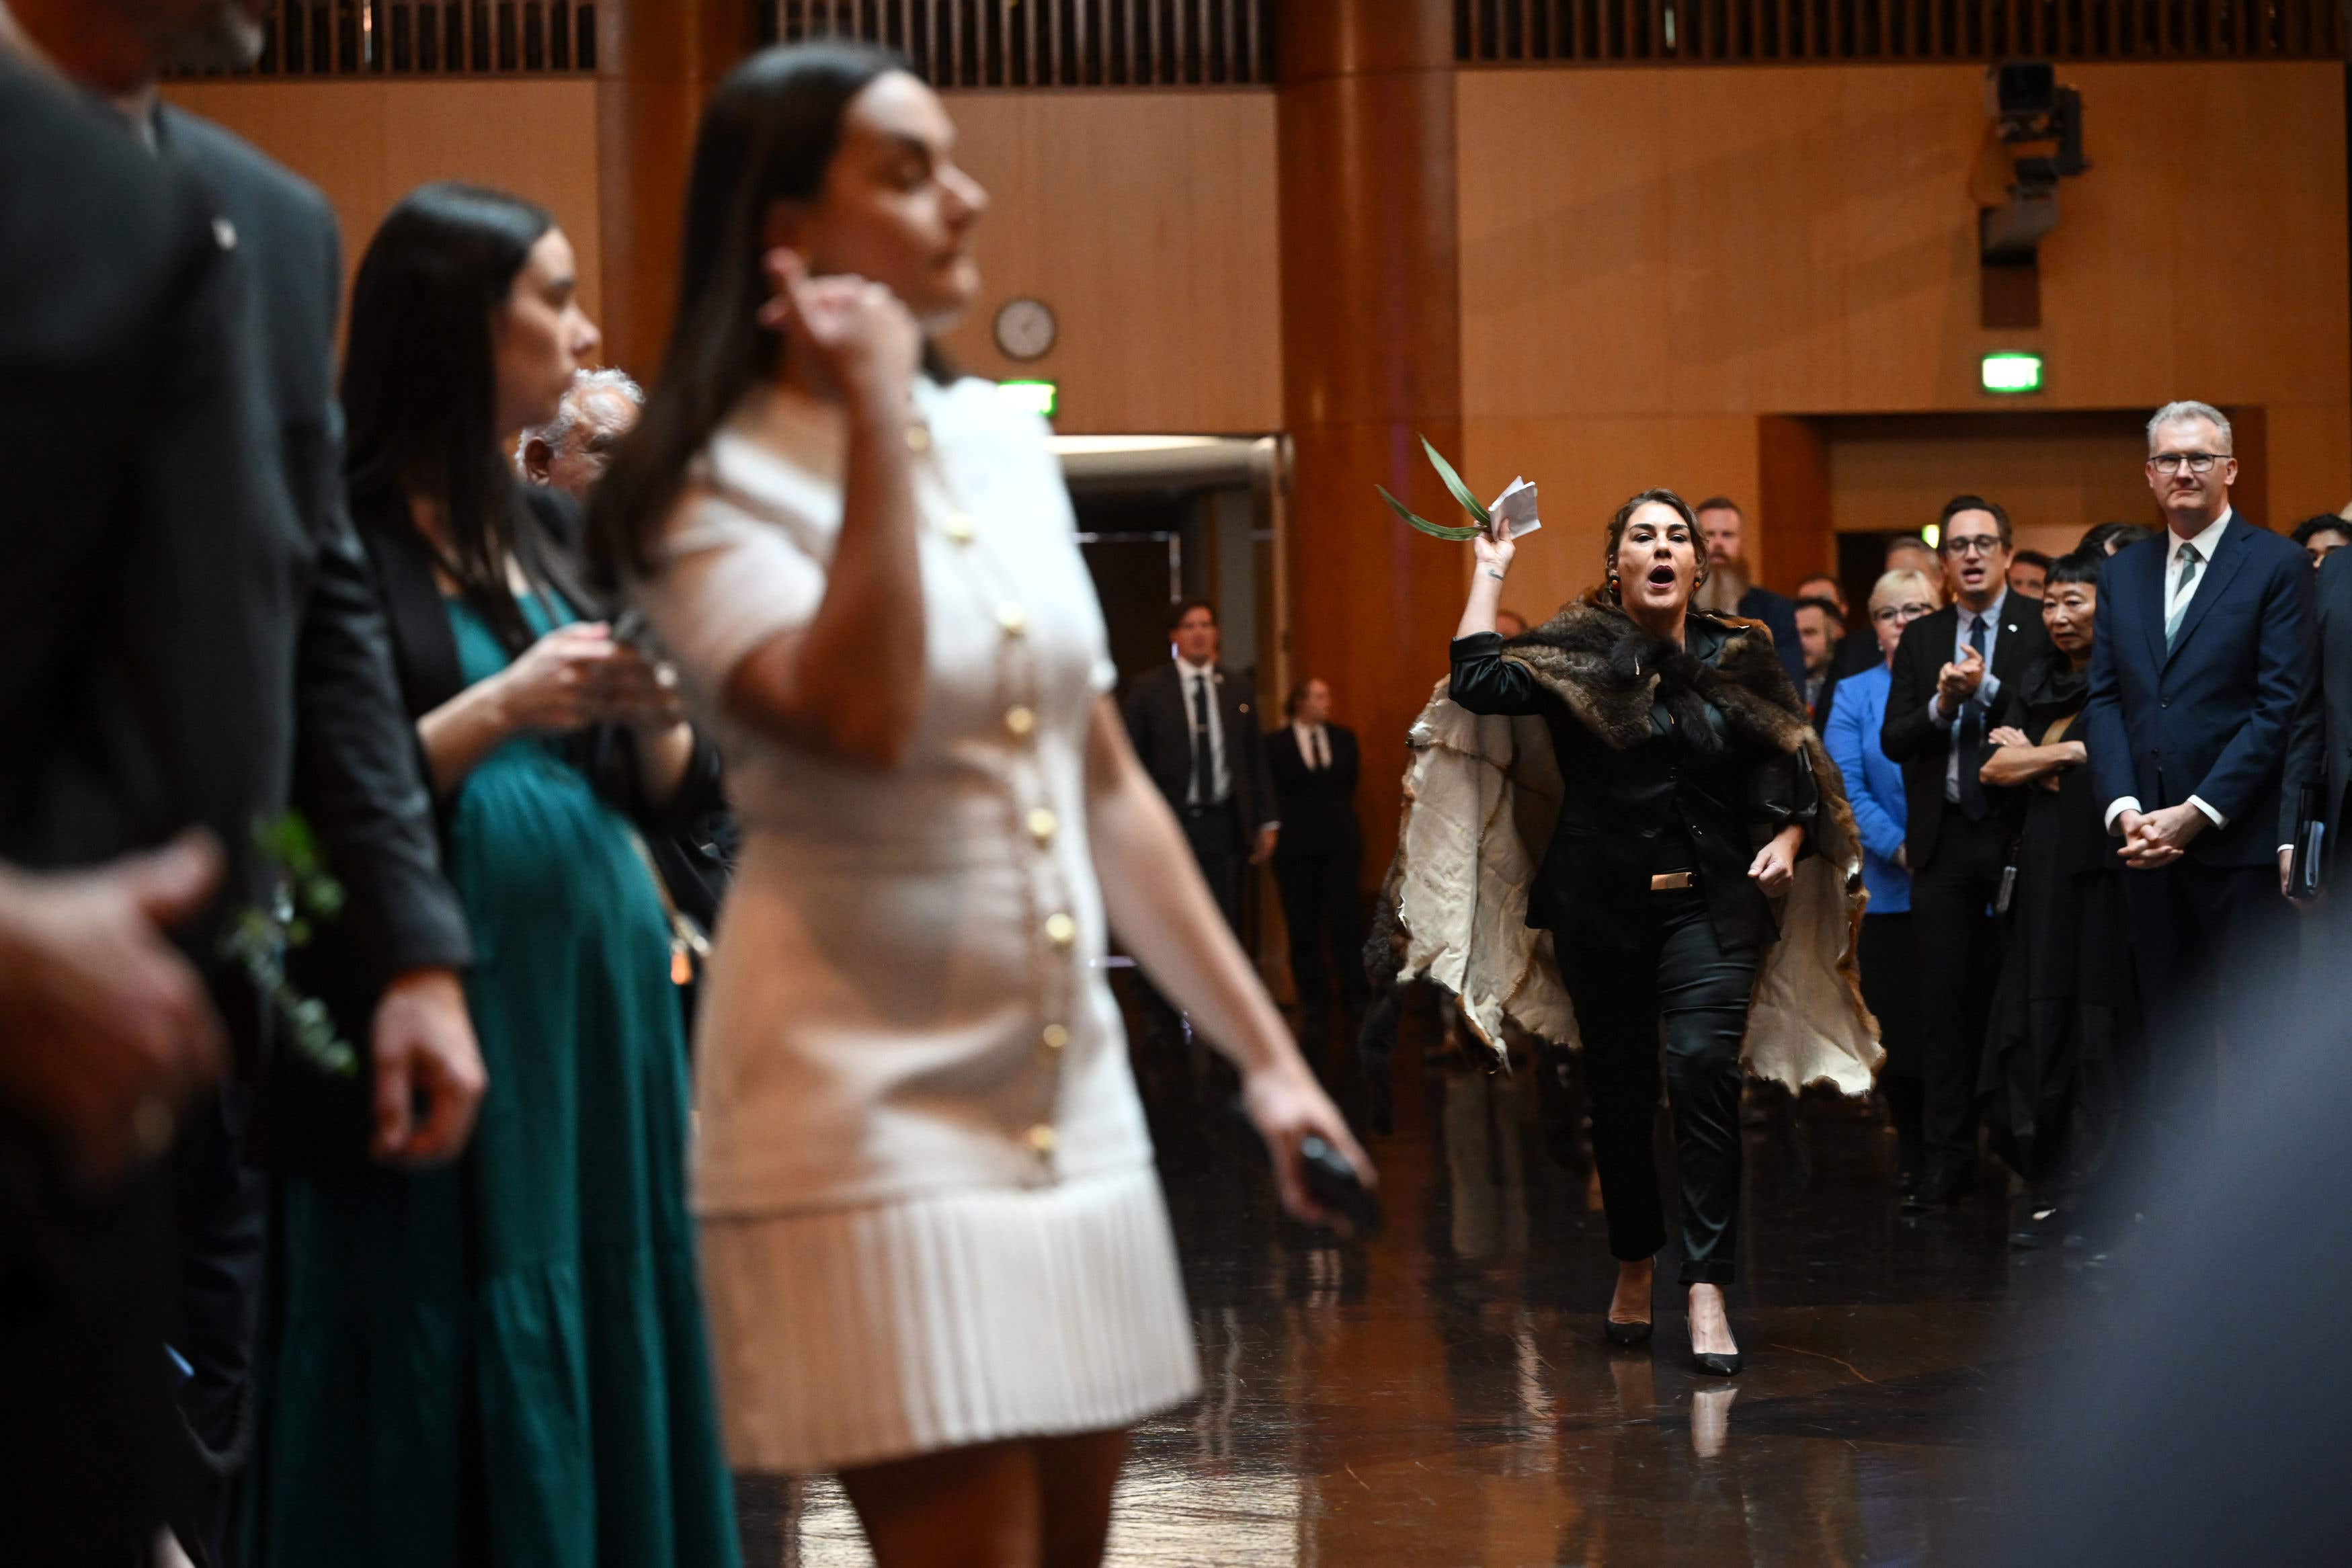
(936,1256)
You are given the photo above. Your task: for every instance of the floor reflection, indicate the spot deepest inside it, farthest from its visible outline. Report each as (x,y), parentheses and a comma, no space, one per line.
(1442,1395)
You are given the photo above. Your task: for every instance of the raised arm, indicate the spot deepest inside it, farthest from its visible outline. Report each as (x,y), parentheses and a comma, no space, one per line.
(836,685)
(1163,914)
(1484,681)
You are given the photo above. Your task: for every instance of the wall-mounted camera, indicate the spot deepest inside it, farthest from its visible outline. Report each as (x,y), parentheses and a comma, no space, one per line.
(2028,108)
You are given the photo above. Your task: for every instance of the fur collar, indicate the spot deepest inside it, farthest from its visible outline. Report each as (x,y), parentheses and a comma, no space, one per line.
(1612,674)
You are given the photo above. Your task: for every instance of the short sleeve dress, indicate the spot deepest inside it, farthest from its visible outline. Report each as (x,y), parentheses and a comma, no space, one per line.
(930,1217)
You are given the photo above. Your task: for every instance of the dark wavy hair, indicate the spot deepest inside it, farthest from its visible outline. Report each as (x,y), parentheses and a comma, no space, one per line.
(1607,592)
(768,135)
(420,383)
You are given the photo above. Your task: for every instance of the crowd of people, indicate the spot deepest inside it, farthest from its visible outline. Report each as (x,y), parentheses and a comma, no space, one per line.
(433,1177)
(378,747)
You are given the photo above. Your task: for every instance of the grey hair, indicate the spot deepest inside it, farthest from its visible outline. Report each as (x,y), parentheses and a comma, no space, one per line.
(2180,412)
(567,412)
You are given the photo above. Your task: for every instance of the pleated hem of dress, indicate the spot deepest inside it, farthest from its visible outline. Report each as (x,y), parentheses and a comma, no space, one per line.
(850,1337)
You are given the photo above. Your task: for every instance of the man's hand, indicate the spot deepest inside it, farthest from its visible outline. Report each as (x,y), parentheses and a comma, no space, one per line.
(424,1047)
(1957,683)
(2158,838)
(1265,850)
(104,1028)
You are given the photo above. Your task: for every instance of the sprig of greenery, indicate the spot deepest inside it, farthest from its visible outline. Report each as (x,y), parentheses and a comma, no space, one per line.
(258,939)
(1470,503)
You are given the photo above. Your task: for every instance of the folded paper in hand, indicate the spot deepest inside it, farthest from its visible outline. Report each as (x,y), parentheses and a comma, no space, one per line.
(1515,511)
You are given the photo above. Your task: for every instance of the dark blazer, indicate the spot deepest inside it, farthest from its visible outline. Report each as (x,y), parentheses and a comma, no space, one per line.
(1779,617)
(359,777)
(1921,746)
(2320,747)
(2210,718)
(147,575)
(1620,804)
(1163,733)
(1317,809)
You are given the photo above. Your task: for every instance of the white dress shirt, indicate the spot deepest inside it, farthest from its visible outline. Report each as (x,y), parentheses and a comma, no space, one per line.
(2175,593)
(1987,688)
(1314,746)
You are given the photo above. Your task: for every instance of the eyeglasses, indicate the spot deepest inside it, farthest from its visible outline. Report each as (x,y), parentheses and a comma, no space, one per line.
(2196,462)
(1972,544)
(1901,614)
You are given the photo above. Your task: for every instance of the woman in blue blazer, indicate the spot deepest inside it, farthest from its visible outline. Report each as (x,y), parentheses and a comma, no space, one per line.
(1890,981)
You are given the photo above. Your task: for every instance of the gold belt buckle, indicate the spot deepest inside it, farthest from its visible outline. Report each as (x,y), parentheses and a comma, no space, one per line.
(1670,882)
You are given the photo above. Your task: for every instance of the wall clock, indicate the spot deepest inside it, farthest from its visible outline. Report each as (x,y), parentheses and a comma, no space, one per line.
(1025,329)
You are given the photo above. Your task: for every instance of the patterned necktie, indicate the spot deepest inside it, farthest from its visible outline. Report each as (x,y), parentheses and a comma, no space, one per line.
(1204,761)
(1973,805)
(2183,591)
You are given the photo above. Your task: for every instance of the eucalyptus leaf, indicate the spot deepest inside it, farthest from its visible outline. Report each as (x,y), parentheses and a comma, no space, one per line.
(1432,529)
(1462,493)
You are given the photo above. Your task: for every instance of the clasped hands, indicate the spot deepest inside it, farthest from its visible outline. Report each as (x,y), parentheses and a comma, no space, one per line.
(2158,838)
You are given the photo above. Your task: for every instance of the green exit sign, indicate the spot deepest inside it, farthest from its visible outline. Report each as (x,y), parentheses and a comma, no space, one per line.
(1040,398)
(2011,373)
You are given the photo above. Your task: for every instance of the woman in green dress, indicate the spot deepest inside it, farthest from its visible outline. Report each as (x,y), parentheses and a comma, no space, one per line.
(503,1362)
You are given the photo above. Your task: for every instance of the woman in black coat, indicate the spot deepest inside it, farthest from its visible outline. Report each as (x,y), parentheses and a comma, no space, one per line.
(1684,814)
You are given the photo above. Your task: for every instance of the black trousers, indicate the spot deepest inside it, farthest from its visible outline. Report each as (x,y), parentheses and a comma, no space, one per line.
(1888,955)
(85,1404)
(2215,950)
(225,1219)
(1215,834)
(1960,951)
(1671,969)
(1323,911)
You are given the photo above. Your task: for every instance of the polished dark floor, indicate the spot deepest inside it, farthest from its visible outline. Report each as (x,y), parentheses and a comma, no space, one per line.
(1442,1395)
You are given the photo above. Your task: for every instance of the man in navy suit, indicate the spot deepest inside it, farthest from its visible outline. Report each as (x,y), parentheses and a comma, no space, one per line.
(2202,653)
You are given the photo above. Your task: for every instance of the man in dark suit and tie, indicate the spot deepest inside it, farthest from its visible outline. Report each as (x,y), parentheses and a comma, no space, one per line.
(1949,673)
(1312,763)
(1194,729)
(2202,657)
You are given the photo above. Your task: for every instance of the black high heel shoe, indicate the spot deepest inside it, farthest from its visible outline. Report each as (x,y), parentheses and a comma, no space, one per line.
(1625,1336)
(1715,1366)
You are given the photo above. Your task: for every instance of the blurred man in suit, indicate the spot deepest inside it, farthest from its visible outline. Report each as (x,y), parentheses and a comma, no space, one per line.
(1950,672)
(1192,727)
(1820,629)
(2319,750)
(1729,589)
(2203,655)
(390,961)
(1312,764)
(149,580)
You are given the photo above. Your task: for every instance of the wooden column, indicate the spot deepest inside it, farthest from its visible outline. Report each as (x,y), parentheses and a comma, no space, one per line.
(656,61)
(1371,361)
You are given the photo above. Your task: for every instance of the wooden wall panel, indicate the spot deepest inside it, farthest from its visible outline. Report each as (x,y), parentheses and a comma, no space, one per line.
(2063,472)
(366,145)
(1147,221)
(1643,248)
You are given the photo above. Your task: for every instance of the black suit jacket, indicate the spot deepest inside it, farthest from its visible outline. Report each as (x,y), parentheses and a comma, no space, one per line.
(1920,746)
(1163,733)
(2209,716)
(1317,808)
(359,777)
(2319,749)
(149,564)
